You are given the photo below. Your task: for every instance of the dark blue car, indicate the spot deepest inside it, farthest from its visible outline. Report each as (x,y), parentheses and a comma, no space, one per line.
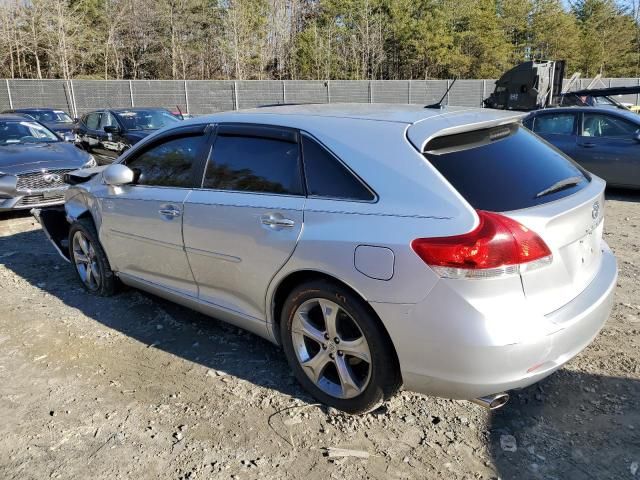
(56,120)
(603,140)
(107,133)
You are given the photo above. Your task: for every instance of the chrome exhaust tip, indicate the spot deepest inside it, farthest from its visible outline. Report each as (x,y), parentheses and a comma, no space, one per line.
(493,401)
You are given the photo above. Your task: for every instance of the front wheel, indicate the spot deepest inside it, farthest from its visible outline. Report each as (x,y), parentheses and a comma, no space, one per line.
(91,263)
(337,349)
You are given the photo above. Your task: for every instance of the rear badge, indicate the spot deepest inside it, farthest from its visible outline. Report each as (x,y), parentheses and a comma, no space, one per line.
(596,210)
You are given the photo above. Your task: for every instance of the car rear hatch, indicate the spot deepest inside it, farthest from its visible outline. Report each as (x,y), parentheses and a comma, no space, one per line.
(509,170)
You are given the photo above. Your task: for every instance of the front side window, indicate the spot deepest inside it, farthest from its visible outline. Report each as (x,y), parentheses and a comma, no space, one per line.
(146,119)
(92,120)
(601,125)
(327,177)
(254,164)
(21,132)
(169,164)
(557,123)
(107,120)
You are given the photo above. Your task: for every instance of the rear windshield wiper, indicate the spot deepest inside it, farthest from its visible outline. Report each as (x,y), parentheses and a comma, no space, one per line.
(559,185)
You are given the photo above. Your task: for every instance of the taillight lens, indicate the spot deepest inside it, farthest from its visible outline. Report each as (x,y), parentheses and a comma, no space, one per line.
(498,246)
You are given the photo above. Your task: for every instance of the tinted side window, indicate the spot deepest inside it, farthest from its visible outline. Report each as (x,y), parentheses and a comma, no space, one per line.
(254,164)
(169,164)
(600,125)
(92,120)
(327,177)
(557,123)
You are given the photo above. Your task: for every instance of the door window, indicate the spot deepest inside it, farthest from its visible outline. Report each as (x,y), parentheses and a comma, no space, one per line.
(107,120)
(602,125)
(327,177)
(169,164)
(92,120)
(557,123)
(254,164)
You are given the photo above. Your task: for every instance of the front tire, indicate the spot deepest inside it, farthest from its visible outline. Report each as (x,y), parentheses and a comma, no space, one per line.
(336,347)
(90,261)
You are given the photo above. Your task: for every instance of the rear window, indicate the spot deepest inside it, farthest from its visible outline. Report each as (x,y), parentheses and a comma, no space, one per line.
(506,168)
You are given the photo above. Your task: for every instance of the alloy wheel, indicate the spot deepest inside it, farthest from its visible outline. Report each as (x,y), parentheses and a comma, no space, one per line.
(84,256)
(331,348)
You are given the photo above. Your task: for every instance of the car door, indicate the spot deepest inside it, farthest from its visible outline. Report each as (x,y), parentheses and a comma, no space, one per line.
(607,147)
(142,222)
(110,144)
(243,224)
(88,131)
(559,129)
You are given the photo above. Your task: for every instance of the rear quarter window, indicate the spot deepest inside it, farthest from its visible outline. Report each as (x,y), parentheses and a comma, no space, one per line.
(510,172)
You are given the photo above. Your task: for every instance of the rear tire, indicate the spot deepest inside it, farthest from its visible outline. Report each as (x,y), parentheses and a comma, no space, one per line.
(337,349)
(89,259)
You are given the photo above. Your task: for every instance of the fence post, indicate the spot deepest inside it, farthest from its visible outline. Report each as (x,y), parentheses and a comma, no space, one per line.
(74,107)
(328,91)
(9,93)
(186,97)
(370,92)
(284,91)
(235,95)
(409,91)
(484,93)
(131,93)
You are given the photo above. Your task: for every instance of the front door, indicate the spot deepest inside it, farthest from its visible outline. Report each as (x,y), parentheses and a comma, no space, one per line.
(109,145)
(607,147)
(142,222)
(243,224)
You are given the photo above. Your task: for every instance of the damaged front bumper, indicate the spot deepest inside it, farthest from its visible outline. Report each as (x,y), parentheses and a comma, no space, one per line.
(56,228)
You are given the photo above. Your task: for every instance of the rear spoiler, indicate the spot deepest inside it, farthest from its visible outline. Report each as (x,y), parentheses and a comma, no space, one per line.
(423,132)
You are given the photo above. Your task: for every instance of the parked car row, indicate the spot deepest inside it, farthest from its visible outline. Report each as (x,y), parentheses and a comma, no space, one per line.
(38,146)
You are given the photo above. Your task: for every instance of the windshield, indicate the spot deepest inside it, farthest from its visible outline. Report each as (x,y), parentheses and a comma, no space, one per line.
(146,120)
(50,116)
(17,132)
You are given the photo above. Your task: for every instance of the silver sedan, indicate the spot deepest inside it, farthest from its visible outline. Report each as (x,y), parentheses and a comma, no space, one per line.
(447,250)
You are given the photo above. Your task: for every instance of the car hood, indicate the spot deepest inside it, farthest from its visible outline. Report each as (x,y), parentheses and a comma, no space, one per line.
(23,158)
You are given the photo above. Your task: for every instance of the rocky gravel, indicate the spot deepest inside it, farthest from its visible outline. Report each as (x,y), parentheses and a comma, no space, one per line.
(134,387)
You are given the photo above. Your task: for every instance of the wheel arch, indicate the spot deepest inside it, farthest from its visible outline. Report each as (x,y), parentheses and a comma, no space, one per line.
(286,284)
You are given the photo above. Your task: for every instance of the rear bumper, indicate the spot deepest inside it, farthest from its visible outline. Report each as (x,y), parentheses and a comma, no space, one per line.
(448,347)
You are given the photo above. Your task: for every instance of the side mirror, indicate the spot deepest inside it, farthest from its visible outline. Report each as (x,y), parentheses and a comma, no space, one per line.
(76,120)
(112,129)
(117,174)
(69,137)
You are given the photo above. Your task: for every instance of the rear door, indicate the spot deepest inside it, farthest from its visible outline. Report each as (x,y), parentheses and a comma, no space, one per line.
(559,129)
(244,223)
(525,179)
(607,147)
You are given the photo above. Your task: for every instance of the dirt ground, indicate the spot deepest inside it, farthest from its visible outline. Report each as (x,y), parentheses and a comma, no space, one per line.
(133,387)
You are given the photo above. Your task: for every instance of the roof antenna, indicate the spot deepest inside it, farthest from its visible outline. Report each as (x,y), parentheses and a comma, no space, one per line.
(439,104)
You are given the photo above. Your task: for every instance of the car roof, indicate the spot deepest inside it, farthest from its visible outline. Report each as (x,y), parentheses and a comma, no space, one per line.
(38,109)
(135,109)
(421,124)
(13,116)
(628,114)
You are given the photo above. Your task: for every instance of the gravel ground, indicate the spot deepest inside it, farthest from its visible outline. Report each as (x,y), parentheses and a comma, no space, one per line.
(136,387)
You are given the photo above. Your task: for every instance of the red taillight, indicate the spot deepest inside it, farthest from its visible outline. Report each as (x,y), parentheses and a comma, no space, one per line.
(499,245)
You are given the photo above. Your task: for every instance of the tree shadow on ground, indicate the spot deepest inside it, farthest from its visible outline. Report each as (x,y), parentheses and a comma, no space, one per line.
(151,320)
(570,426)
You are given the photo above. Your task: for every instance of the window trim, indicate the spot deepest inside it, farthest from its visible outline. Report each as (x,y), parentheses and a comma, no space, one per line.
(179,132)
(375,199)
(577,123)
(581,129)
(255,130)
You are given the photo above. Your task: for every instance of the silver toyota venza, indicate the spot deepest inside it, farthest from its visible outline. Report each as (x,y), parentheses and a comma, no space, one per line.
(447,250)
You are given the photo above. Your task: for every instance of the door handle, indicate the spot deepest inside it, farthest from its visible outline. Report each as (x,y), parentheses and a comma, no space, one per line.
(276,220)
(169,212)
(587,145)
